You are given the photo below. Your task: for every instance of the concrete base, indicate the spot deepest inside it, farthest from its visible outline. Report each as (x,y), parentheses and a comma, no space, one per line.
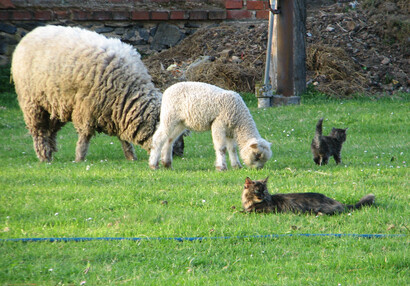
(265,102)
(278,100)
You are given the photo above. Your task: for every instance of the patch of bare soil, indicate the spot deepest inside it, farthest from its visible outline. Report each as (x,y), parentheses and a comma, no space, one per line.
(352,47)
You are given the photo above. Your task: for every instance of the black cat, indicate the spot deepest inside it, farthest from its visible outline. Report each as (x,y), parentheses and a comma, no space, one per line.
(324,147)
(256,198)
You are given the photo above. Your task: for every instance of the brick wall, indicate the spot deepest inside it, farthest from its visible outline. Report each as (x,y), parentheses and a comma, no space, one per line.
(132,10)
(132,21)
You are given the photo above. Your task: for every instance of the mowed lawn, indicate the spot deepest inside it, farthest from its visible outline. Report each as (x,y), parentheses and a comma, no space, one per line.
(107,196)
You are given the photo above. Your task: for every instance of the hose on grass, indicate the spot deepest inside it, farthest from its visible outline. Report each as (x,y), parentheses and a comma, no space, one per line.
(181,239)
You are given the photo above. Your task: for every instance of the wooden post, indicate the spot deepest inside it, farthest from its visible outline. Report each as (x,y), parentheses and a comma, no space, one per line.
(288,64)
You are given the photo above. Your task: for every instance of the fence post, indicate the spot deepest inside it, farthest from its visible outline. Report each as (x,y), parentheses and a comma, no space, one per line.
(288,61)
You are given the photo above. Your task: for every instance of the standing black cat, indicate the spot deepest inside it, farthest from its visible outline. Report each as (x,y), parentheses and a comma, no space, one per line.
(256,198)
(324,147)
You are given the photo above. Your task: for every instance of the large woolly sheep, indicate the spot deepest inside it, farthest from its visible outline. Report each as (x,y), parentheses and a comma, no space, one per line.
(199,106)
(66,74)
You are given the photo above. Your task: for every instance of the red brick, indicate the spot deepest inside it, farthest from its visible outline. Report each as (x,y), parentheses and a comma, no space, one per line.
(21,15)
(4,4)
(163,15)
(102,15)
(62,14)
(198,15)
(217,15)
(233,4)
(178,15)
(238,14)
(262,14)
(81,15)
(140,15)
(5,15)
(255,5)
(120,15)
(43,15)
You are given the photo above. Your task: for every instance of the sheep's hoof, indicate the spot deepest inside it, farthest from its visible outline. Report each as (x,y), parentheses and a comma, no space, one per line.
(167,165)
(153,167)
(45,159)
(237,166)
(221,168)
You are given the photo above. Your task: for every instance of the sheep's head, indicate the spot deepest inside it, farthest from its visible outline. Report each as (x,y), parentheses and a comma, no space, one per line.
(256,153)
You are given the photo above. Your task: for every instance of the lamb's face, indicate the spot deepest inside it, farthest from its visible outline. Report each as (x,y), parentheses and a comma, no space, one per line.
(256,154)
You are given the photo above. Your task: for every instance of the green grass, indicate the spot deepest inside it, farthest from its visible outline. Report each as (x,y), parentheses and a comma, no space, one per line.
(107,196)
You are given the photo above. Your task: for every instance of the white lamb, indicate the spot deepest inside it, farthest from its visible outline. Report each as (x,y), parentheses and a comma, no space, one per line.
(199,107)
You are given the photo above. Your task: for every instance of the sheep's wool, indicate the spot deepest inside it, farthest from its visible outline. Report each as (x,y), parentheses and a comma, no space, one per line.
(66,74)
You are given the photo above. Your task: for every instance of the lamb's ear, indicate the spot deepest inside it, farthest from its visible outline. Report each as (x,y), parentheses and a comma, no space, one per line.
(266,180)
(253,143)
(248,182)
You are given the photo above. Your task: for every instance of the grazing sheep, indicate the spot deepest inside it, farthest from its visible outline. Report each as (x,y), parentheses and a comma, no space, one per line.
(199,107)
(66,74)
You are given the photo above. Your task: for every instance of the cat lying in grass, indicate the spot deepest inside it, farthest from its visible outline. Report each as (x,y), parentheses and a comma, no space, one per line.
(256,198)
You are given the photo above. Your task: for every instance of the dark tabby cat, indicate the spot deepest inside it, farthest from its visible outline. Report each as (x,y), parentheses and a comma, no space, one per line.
(256,198)
(325,146)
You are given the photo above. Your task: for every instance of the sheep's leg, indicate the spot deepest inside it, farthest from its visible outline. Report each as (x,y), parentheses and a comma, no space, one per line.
(54,127)
(166,152)
(233,154)
(44,131)
(42,146)
(158,140)
(129,151)
(219,140)
(45,143)
(82,146)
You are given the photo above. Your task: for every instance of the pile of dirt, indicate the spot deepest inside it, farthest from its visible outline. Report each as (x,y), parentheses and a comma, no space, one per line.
(229,55)
(352,47)
(370,37)
(333,71)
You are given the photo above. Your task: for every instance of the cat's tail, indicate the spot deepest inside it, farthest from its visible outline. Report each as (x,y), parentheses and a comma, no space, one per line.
(367,200)
(318,132)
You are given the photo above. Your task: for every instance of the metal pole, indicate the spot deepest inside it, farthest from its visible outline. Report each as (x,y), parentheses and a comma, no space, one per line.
(269,51)
(264,92)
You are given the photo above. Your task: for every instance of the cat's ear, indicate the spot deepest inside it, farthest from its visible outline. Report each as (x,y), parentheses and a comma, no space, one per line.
(266,180)
(248,182)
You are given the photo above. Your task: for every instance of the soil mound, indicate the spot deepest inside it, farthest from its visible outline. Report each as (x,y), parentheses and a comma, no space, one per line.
(352,47)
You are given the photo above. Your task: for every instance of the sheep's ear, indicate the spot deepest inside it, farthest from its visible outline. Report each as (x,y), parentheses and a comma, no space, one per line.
(266,180)
(248,182)
(254,145)
(346,128)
